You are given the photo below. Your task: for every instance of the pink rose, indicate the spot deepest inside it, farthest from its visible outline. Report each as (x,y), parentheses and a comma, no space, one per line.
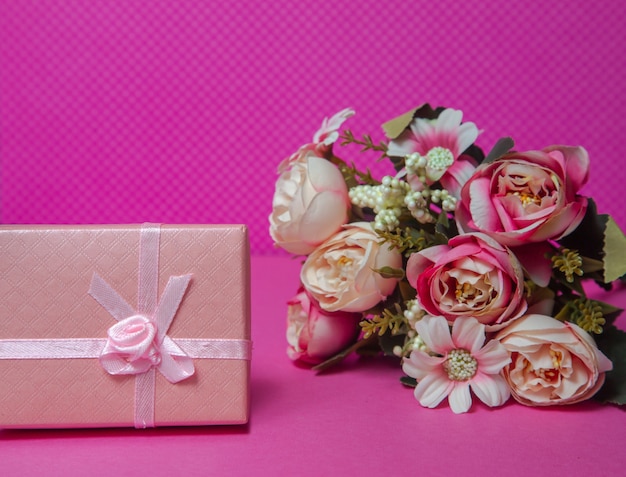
(553,362)
(526,197)
(131,347)
(340,273)
(472,276)
(315,335)
(310,204)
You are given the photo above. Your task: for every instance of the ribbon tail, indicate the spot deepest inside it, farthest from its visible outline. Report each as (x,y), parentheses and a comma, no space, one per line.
(144,399)
(175,364)
(169,303)
(109,299)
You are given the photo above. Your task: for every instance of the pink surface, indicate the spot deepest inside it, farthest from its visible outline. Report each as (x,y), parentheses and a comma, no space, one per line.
(356,420)
(179,111)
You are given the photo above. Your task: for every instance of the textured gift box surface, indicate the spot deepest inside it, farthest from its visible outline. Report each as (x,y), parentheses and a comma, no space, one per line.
(45,276)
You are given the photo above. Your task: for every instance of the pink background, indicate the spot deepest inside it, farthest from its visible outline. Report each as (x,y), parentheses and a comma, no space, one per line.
(357,420)
(179,111)
(115,111)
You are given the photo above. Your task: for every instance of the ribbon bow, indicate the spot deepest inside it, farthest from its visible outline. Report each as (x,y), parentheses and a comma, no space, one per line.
(138,342)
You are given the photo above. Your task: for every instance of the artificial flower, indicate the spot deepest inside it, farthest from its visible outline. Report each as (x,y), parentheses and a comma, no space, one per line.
(341,274)
(461,361)
(436,145)
(473,275)
(328,133)
(310,204)
(323,139)
(525,197)
(131,346)
(494,244)
(313,334)
(552,362)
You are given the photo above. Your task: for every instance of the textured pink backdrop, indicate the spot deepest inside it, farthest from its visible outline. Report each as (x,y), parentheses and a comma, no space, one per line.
(179,111)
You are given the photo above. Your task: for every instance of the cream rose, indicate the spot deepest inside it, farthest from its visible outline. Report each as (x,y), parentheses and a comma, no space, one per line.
(552,362)
(340,274)
(310,204)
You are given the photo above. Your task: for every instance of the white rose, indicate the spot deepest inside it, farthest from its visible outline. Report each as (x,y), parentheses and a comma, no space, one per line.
(310,204)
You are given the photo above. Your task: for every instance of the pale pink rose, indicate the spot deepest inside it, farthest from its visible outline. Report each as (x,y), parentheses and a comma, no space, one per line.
(131,347)
(315,335)
(525,197)
(462,361)
(441,141)
(310,204)
(340,274)
(473,275)
(553,362)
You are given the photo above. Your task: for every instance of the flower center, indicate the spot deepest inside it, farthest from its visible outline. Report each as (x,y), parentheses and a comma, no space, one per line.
(465,292)
(460,365)
(440,158)
(344,265)
(527,198)
(557,358)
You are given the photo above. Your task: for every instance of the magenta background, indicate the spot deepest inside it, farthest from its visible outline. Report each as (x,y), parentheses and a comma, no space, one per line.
(179,111)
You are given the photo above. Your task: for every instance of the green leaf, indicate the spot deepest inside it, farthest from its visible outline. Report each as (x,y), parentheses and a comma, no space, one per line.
(599,238)
(389,272)
(396,126)
(503,146)
(389,341)
(408,381)
(612,342)
(614,248)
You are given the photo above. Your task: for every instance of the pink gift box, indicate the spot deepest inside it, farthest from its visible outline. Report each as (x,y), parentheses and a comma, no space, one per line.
(63,288)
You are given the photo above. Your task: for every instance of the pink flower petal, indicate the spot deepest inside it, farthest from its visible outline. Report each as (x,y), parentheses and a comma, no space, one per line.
(533,259)
(460,399)
(420,364)
(576,165)
(492,390)
(435,333)
(492,357)
(457,175)
(481,207)
(431,390)
(468,334)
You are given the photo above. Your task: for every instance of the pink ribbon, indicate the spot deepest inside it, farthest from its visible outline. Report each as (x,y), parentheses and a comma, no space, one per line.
(138,343)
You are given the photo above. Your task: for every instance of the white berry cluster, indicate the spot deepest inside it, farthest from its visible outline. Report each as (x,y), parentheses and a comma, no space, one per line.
(413,313)
(386,200)
(418,201)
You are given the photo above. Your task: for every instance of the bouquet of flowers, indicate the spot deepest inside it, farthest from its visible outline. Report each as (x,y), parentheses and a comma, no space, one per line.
(468,268)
